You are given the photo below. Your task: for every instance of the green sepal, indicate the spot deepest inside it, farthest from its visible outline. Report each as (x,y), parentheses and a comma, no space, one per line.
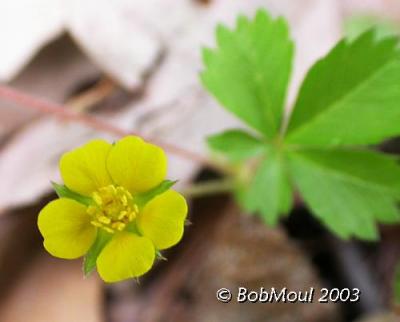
(143,198)
(89,262)
(64,192)
(160,255)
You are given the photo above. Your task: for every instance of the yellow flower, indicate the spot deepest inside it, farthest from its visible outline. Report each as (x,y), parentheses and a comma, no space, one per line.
(112,180)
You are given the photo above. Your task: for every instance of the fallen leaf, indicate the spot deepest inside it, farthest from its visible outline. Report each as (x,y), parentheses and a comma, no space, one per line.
(175,108)
(124,37)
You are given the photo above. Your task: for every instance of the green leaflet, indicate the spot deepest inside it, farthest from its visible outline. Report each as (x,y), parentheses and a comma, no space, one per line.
(270,192)
(343,190)
(64,192)
(236,145)
(363,167)
(350,97)
(249,70)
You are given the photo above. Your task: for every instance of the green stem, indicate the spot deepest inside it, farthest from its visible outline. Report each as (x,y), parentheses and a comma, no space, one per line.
(210,187)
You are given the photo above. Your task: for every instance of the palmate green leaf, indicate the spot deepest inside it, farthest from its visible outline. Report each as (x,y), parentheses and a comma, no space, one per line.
(236,145)
(270,193)
(350,97)
(249,70)
(348,190)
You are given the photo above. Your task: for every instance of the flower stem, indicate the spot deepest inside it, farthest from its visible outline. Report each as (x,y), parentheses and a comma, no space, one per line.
(210,187)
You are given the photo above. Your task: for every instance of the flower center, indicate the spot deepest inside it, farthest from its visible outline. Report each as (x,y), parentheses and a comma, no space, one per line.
(113,208)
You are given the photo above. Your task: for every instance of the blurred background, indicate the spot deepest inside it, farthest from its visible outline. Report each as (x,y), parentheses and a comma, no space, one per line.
(135,64)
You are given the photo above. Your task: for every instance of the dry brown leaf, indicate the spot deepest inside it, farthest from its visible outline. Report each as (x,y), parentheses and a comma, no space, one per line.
(174,108)
(123,37)
(25,26)
(54,73)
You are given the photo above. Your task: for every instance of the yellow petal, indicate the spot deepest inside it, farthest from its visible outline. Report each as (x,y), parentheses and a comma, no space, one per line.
(127,255)
(136,165)
(66,228)
(84,169)
(162,219)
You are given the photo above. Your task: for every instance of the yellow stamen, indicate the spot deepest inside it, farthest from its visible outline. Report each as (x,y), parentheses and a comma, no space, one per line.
(97,198)
(104,220)
(113,209)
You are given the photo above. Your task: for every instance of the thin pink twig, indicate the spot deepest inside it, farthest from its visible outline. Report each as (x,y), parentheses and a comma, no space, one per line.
(58,110)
